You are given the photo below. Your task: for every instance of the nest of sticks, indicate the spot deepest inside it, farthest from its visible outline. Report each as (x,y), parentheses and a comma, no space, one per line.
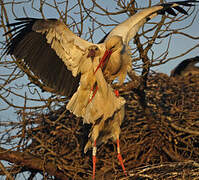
(162,146)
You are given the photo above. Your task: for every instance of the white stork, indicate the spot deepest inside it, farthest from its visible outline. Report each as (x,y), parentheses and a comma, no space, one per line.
(186,67)
(58,57)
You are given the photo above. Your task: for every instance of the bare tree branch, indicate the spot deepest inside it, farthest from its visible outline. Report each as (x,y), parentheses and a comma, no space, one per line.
(30,162)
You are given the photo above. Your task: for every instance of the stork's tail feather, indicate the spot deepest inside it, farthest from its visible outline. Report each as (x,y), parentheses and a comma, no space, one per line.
(78,102)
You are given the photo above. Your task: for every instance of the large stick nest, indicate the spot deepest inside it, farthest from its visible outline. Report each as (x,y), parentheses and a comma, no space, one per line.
(164,145)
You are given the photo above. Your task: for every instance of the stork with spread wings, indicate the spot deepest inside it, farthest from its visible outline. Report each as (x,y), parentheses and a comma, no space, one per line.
(57,56)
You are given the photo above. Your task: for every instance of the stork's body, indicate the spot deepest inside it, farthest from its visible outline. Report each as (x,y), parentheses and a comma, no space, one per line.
(59,57)
(103,109)
(80,99)
(120,60)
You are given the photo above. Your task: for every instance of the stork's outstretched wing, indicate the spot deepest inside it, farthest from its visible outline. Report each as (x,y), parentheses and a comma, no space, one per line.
(128,29)
(51,51)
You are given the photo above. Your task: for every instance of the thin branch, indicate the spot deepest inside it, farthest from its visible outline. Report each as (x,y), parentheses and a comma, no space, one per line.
(9,176)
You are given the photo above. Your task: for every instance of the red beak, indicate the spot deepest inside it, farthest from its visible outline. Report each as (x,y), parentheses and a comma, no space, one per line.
(105,57)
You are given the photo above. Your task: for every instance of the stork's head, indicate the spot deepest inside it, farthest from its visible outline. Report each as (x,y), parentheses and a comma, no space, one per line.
(114,43)
(93,51)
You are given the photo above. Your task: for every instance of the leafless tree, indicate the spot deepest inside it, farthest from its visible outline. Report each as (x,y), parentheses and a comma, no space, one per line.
(40,139)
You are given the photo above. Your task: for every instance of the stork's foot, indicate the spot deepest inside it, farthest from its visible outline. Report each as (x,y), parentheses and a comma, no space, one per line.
(120,157)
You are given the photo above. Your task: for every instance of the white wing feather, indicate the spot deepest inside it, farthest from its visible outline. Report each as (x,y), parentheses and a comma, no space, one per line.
(68,46)
(128,29)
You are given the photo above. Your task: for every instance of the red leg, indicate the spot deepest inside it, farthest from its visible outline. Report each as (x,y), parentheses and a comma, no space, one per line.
(120,157)
(94,158)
